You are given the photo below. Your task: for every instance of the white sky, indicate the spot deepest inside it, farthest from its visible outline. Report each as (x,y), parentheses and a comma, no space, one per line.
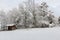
(9,4)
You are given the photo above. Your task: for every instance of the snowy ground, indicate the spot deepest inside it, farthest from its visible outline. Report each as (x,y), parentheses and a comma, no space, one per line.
(31,34)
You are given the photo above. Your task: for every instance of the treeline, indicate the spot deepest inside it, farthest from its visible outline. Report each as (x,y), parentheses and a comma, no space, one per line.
(29,15)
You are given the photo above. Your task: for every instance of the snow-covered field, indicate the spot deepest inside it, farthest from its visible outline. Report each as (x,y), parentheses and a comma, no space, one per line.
(31,34)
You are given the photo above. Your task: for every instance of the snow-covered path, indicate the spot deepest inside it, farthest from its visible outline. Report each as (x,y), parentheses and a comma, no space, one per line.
(31,34)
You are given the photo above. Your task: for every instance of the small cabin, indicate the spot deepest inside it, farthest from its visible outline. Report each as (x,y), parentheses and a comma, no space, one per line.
(11,27)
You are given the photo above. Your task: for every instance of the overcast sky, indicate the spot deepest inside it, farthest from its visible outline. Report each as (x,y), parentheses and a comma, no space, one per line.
(54,5)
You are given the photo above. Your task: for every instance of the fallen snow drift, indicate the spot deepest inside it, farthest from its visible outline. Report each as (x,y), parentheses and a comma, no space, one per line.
(31,34)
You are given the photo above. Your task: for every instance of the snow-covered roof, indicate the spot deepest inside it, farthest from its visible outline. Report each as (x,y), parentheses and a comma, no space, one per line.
(10,24)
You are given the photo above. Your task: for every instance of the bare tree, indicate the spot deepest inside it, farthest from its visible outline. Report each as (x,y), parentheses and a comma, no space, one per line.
(3,19)
(30,8)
